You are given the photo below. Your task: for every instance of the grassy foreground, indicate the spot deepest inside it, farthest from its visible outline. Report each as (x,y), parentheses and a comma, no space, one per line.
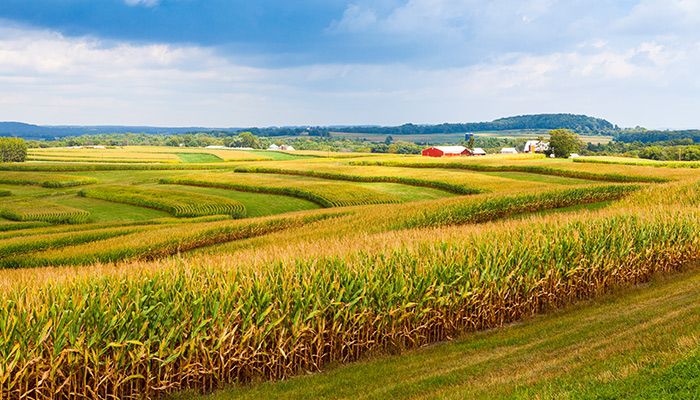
(642,343)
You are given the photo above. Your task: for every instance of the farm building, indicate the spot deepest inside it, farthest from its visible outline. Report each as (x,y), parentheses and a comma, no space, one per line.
(478,151)
(448,151)
(287,148)
(535,146)
(273,147)
(509,150)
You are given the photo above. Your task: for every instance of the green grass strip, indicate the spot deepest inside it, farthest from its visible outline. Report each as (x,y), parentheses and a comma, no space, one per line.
(199,157)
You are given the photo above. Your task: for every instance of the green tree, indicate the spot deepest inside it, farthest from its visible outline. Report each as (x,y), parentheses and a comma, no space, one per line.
(404,148)
(389,140)
(13,150)
(247,139)
(471,142)
(563,142)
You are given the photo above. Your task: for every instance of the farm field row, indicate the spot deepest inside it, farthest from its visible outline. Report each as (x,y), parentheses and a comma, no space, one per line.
(641,343)
(142,197)
(291,265)
(149,154)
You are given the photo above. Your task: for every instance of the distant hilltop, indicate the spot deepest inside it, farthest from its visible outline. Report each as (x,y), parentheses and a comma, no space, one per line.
(577,123)
(30,131)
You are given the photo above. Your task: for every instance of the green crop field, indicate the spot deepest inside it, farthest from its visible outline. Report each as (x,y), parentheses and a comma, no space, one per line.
(198,157)
(146,272)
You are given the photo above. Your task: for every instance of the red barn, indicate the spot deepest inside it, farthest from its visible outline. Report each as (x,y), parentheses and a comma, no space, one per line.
(439,151)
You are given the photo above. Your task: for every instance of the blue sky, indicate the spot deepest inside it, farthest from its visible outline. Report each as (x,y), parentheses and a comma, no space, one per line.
(271,62)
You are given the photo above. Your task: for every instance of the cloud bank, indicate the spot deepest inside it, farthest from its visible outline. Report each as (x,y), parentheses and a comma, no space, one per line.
(436,61)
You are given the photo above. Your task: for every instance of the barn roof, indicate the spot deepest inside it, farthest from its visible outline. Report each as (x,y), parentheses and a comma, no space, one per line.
(451,149)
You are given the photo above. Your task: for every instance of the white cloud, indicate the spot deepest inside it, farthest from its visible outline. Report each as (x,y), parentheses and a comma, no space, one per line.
(355,19)
(49,78)
(144,3)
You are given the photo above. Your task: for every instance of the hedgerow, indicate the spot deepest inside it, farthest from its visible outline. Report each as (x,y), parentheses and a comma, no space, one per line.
(532,169)
(641,163)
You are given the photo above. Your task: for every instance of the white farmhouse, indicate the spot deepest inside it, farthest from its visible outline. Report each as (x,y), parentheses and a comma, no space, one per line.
(535,146)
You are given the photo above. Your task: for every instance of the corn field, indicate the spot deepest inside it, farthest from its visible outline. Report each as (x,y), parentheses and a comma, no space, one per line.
(42,211)
(457,189)
(532,169)
(191,325)
(45,180)
(177,203)
(137,306)
(323,193)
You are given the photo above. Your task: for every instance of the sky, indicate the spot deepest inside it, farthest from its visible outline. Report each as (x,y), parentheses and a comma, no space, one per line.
(237,63)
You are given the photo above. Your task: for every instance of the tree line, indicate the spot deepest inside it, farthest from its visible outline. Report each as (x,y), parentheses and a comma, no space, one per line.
(582,124)
(645,136)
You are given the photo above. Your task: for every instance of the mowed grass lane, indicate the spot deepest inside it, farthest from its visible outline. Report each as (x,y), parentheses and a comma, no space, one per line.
(199,158)
(642,343)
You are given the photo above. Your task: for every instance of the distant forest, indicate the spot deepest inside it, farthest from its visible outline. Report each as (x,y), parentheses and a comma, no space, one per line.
(644,136)
(579,123)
